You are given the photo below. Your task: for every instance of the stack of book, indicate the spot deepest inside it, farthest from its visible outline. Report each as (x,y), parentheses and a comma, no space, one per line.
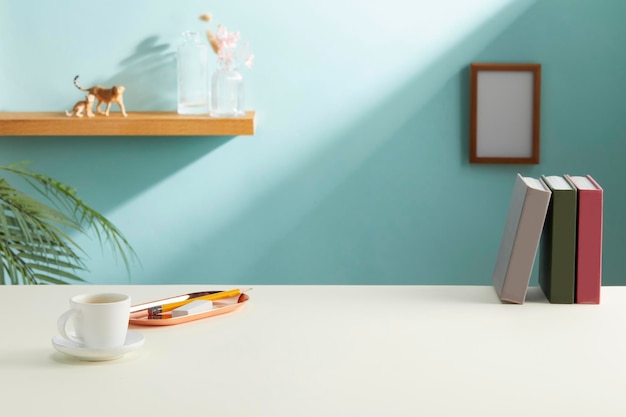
(561,218)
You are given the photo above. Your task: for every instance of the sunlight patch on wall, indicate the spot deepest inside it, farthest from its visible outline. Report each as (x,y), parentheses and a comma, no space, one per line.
(356,58)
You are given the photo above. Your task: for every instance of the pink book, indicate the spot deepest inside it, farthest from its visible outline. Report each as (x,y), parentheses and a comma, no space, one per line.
(589,239)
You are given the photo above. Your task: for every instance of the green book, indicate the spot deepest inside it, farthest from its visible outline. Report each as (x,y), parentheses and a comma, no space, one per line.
(557,254)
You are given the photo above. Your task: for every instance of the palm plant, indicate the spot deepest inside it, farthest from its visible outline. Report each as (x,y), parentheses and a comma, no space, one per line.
(35,247)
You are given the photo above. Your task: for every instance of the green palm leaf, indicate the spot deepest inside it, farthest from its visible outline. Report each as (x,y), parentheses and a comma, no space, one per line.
(35,247)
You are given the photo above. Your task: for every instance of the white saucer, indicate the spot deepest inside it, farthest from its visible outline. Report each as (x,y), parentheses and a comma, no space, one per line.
(134,340)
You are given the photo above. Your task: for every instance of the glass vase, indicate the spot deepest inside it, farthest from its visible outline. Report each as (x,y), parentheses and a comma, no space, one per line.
(227,93)
(193,74)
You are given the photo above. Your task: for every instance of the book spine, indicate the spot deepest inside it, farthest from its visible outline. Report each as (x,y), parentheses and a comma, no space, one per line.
(557,265)
(589,245)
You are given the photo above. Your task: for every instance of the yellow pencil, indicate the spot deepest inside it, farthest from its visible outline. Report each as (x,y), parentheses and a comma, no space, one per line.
(171,306)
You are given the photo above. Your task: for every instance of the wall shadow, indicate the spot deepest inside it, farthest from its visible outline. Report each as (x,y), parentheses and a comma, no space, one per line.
(104,168)
(346,186)
(158,91)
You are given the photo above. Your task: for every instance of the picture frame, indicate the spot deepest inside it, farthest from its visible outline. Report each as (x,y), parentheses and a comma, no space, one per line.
(505,101)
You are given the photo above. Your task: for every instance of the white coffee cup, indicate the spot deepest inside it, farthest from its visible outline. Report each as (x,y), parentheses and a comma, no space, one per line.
(96,320)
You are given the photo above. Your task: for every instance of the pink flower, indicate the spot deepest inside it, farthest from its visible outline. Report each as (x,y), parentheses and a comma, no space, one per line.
(226,39)
(230,54)
(249,60)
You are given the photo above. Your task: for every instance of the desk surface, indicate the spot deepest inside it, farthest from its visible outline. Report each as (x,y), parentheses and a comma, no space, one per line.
(328,351)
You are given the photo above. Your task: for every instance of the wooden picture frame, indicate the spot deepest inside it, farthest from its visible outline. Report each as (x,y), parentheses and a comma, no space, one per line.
(504,113)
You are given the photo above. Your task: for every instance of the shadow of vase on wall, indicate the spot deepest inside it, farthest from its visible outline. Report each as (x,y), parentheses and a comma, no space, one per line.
(149,75)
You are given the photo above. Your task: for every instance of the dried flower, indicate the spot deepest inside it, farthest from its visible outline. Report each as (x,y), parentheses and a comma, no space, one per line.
(230,52)
(212,41)
(248,62)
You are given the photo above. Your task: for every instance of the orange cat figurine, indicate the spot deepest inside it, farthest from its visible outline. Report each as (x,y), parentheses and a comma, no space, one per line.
(82,107)
(105,95)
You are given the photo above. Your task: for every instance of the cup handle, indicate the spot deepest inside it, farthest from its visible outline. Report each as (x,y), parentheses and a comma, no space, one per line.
(66,323)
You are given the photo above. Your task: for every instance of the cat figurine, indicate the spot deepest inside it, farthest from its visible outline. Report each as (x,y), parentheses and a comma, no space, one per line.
(83,107)
(106,96)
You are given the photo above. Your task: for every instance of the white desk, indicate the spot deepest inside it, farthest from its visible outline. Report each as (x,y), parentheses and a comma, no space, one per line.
(328,351)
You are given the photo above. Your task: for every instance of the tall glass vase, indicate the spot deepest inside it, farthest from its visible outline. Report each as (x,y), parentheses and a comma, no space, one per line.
(193,74)
(227,93)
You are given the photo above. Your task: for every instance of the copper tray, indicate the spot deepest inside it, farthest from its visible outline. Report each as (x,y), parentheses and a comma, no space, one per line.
(223,306)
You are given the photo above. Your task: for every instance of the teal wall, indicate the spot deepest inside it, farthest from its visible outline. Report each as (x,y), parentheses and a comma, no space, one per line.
(358,172)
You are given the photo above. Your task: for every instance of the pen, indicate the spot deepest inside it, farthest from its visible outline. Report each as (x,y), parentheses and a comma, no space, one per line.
(152,311)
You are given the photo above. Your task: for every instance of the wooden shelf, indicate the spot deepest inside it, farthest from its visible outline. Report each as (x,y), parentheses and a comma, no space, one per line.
(136,124)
